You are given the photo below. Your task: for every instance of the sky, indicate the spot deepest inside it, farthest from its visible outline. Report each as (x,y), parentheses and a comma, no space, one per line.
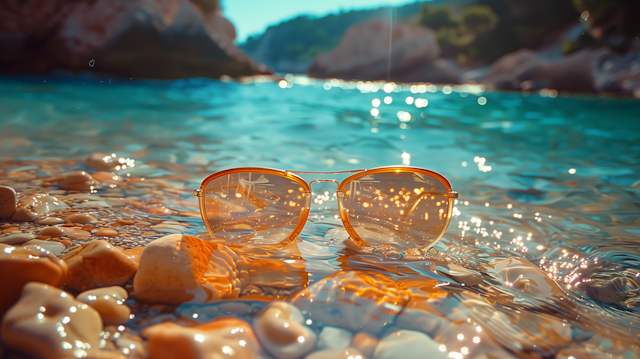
(252,17)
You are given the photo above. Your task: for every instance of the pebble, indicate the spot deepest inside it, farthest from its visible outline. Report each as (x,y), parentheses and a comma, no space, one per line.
(51,246)
(107,162)
(70,232)
(98,264)
(33,326)
(81,218)
(106,232)
(8,202)
(109,302)
(11,229)
(29,263)
(613,290)
(221,338)
(49,221)
(408,344)
(123,222)
(79,180)
(34,206)
(177,268)
(92,204)
(17,238)
(459,274)
(334,338)
(355,300)
(168,228)
(521,274)
(282,333)
(348,353)
(365,343)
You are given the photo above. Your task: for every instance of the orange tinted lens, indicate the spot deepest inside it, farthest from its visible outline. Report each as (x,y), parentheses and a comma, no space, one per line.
(402,209)
(260,207)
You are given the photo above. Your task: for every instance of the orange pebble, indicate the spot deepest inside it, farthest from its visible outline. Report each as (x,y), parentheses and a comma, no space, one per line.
(10,229)
(106,232)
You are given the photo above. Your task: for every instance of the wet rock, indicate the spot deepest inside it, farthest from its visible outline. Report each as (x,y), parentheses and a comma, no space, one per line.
(614,290)
(49,221)
(348,353)
(79,180)
(365,343)
(34,206)
(422,312)
(363,53)
(106,232)
(281,331)
(176,34)
(221,338)
(27,264)
(54,247)
(8,202)
(460,274)
(98,264)
(17,238)
(523,275)
(408,344)
(103,161)
(334,338)
(177,268)
(134,254)
(355,300)
(168,228)
(109,302)
(70,232)
(81,218)
(34,326)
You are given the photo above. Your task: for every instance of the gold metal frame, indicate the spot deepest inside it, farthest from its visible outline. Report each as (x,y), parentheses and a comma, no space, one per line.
(293,175)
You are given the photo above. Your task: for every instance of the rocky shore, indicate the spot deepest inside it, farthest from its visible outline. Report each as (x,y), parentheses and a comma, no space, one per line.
(96,276)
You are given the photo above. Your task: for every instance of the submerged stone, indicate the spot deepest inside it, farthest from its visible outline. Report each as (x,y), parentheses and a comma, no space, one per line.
(356,300)
(17,238)
(81,218)
(8,202)
(98,264)
(49,323)
(408,344)
(177,268)
(281,331)
(523,275)
(348,353)
(614,290)
(109,302)
(20,265)
(79,180)
(37,205)
(221,338)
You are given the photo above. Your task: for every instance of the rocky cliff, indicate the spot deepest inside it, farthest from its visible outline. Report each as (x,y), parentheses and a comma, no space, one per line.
(158,39)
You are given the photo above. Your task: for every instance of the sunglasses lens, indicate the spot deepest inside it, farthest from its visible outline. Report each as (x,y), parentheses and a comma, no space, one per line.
(260,207)
(402,209)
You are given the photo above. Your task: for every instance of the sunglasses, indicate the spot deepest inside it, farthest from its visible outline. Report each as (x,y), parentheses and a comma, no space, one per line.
(398,206)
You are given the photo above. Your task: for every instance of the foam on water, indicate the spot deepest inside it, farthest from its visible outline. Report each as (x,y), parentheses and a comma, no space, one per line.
(553,181)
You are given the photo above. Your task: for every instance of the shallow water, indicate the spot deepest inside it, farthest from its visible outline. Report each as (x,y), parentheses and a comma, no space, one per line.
(555,181)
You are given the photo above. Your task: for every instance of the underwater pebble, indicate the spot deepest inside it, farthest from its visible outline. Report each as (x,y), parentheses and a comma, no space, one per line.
(348,353)
(355,300)
(408,344)
(98,264)
(81,218)
(109,302)
(51,246)
(334,338)
(79,180)
(27,264)
(34,325)
(106,232)
(49,221)
(460,274)
(419,313)
(281,331)
(526,276)
(178,268)
(365,343)
(8,202)
(613,290)
(92,204)
(168,228)
(17,238)
(221,338)
(34,206)
(71,232)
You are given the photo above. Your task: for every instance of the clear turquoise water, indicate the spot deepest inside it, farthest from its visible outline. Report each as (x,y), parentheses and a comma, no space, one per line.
(183,130)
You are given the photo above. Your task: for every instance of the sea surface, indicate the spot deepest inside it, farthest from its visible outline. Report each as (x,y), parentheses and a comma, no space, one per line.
(552,179)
